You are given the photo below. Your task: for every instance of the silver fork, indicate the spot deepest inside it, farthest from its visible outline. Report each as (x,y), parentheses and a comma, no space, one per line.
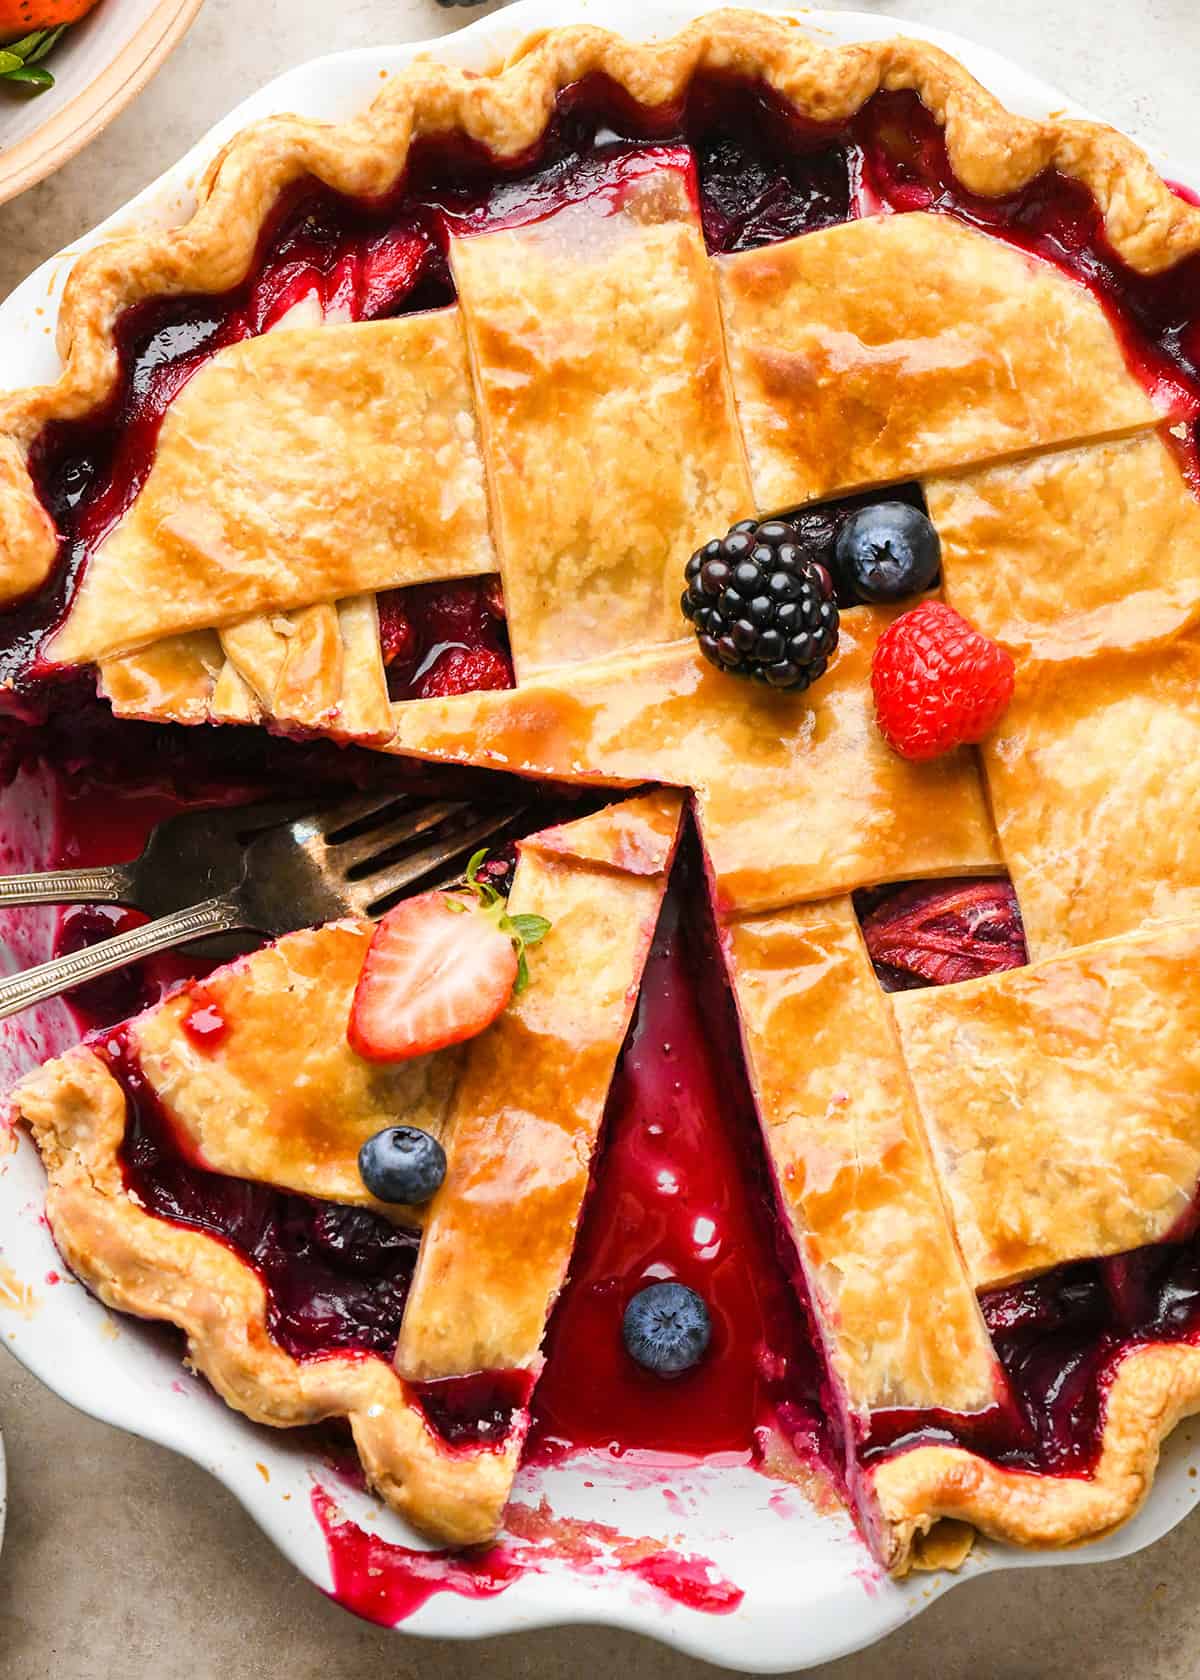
(210,872)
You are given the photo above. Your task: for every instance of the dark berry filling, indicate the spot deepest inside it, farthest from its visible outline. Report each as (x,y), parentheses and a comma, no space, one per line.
(445,638)
(474,1411)
(681,1193)
(1060,1339)
(336,1277)
(933,933)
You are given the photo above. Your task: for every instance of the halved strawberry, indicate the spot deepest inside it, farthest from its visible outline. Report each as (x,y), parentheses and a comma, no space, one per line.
(439,969)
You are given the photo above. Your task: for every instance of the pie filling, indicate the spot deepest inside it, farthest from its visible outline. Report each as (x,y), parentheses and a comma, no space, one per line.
(681,1188)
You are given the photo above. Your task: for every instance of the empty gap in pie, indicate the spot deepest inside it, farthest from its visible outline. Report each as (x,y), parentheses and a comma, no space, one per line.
(681,1190)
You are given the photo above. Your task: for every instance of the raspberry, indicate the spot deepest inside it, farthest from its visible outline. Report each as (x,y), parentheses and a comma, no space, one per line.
(937,682)
(462,670)
(397,637)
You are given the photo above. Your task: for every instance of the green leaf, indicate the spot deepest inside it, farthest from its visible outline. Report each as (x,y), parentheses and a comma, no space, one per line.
(36,78)
(10,61)
(529,929)
(476,864)
(522,979)
(50,39)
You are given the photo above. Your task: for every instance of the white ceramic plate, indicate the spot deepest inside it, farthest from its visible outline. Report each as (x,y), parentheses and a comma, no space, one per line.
(811,1592)
(99,66)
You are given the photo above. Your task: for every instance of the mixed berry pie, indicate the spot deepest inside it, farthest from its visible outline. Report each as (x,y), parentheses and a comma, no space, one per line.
(789,461)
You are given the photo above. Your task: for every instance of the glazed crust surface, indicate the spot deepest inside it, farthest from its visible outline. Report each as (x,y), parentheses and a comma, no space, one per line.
(1063,1100)
(526,1115)
(274,453)
(608,426)
(855,1178)
(895,346)
(1097,745)
(278,1095)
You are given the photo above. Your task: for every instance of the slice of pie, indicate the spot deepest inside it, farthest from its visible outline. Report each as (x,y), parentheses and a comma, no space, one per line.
(208,1176)
(513,429)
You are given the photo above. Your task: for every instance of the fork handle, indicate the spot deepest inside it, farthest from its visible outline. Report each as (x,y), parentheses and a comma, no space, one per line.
(111,884)
(35,985)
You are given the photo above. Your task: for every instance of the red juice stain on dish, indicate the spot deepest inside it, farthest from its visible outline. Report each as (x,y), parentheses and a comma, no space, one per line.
(386,1583)
(679,1193)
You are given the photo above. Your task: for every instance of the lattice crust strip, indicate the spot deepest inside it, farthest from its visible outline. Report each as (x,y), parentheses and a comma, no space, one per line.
(1086,564)
(282,1099)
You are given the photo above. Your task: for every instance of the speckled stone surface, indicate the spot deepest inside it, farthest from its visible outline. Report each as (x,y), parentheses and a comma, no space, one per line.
(123,1561)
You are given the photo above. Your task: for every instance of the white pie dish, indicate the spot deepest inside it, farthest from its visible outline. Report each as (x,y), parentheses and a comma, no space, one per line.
(811,1592)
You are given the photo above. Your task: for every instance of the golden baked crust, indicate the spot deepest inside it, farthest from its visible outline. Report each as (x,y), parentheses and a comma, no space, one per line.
(1091,771)
(899,1323)
(607,419)
(797,795)
(1063,1100)
(526,1114)
(895,346)
(1073,553)
(278,1095)
(991,150)
(294,469)
(1152,1390)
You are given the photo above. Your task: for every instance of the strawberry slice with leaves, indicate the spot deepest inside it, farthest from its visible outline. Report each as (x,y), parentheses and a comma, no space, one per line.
(439,969)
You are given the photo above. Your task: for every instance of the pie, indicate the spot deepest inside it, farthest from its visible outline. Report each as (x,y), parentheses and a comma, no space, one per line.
(390,463)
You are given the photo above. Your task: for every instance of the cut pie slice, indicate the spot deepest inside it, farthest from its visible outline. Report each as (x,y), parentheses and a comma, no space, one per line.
(203,1170)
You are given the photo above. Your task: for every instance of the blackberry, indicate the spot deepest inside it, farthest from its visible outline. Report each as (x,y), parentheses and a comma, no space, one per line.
(761,606)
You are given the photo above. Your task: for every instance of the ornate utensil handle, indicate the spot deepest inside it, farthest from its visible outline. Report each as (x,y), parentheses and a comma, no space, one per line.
(110,884)
(35,985)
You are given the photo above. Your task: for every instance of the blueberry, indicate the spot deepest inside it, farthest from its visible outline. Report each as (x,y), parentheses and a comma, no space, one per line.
(888,550)
(402,1164)
(666,1328)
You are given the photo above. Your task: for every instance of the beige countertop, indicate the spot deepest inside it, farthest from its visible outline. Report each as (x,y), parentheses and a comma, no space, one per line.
(124,1561)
